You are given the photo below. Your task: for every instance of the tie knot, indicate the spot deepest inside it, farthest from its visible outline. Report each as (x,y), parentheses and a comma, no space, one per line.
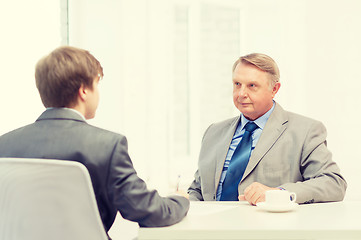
(250,126)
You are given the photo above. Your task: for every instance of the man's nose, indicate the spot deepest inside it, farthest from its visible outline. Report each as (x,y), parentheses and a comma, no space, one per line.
(242,92)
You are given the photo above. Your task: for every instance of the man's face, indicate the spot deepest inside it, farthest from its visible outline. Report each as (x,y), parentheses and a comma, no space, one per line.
(252,93)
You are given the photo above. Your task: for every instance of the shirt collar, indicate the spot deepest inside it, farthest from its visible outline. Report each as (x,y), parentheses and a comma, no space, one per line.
(261,121)
(73,110)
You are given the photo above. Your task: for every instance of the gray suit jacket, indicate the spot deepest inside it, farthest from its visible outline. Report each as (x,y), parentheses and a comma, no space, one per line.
(63,134)
(291,153)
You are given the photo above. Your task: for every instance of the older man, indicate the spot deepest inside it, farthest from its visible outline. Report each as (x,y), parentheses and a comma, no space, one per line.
(265,147)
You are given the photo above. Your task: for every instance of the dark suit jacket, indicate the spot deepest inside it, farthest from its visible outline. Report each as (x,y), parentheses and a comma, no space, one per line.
(291,153)
(62,134)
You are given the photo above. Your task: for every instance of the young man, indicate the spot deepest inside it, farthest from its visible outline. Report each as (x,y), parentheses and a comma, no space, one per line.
(67,80)
(281,150)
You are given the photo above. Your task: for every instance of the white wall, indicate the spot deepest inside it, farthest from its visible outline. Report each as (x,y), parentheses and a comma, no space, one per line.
(26,35)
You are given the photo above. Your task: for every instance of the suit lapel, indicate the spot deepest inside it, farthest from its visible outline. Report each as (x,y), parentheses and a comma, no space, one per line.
(224,143)
(275,126)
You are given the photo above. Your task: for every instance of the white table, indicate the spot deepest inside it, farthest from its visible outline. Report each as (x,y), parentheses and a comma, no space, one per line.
(239,220)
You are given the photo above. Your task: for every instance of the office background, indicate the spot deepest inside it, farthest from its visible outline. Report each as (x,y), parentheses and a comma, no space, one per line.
(167,66)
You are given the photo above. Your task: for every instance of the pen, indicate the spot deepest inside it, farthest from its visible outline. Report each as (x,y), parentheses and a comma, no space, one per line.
(178,181)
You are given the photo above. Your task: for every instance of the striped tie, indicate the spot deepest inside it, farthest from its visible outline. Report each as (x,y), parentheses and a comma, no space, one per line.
(238,165)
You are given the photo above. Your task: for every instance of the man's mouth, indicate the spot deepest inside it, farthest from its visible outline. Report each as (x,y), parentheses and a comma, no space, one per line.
(245,104)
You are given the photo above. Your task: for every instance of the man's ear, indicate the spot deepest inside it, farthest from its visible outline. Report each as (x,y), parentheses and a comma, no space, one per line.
(275,88)
(82,92)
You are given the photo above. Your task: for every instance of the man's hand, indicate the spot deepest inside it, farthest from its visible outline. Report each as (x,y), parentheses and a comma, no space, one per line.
(182,193)
(255,193)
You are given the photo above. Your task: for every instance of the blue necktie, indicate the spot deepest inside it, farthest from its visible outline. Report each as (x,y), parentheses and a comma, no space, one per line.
(238,165)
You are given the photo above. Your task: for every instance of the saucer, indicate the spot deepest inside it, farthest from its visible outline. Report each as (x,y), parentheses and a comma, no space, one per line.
(277,208)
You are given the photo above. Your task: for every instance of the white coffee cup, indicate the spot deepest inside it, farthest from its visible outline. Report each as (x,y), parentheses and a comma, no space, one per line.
(280,197)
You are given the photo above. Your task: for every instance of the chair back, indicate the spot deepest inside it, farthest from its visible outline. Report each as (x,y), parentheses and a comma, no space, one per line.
(44,199)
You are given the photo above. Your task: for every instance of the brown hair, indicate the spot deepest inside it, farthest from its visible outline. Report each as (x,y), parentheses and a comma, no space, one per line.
(60,74)
(262,62)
